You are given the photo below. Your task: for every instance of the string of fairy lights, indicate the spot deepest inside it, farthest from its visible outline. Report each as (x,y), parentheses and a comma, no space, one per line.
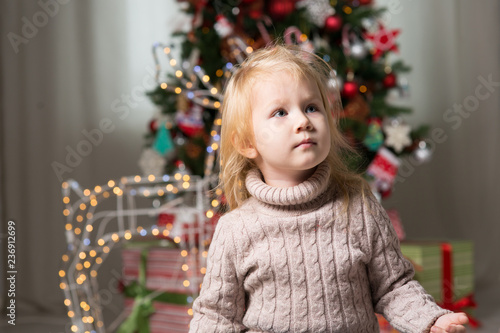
(92,234)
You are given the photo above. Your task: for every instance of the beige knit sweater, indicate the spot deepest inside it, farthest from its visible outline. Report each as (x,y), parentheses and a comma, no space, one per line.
(292,260)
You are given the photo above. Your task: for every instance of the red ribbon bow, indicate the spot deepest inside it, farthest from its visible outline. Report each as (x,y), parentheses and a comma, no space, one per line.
(447,288)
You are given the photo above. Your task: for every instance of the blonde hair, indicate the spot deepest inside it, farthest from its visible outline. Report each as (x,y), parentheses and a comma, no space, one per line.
(237,130)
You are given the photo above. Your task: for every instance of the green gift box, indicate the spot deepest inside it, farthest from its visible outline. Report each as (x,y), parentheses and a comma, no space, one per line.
(428,258)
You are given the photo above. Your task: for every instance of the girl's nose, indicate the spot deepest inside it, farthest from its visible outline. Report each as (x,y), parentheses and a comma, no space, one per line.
(303,123)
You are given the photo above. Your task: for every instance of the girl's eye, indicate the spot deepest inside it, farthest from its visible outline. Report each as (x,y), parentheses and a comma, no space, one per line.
(311,109)
(279,113)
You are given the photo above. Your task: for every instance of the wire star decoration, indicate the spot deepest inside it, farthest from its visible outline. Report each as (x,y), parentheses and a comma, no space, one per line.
(384,40)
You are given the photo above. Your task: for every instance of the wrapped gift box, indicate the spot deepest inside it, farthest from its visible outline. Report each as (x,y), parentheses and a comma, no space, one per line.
(427,258)
(167,317)
(167,277)
(166,268)
(446,271)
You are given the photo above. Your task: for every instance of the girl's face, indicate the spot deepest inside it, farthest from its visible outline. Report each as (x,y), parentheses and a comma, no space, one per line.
(291,130)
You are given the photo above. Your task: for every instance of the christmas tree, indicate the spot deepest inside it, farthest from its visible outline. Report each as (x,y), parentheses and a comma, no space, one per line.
(348,34)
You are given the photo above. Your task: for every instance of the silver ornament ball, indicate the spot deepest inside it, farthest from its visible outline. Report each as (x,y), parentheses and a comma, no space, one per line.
(423,153)
(358,50)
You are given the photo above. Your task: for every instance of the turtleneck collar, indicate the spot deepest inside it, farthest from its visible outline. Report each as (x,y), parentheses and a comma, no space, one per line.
(300,194)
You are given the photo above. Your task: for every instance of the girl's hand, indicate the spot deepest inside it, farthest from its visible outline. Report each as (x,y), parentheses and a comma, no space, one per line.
(450,323)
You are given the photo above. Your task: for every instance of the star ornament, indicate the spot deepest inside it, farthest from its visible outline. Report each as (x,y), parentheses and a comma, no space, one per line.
(398,136)
(384,40)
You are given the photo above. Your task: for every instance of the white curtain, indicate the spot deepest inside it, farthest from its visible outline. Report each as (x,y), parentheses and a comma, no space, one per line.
(62,78)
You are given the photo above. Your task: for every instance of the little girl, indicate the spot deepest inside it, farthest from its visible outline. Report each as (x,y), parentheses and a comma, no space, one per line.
(305,247)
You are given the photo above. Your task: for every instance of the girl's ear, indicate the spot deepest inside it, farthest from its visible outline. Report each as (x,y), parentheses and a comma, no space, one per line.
(249,152)
(244,148)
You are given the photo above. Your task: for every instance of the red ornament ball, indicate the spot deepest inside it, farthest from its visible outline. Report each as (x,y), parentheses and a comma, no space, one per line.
(153,126)
(333,23)
(281,8)
(350,89)
(365,2)
(389,81)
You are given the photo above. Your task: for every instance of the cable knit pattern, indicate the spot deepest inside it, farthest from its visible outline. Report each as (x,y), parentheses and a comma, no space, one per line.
(293,260)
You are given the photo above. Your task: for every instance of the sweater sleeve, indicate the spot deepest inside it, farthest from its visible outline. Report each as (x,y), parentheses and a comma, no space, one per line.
(220,305)
(399,298)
